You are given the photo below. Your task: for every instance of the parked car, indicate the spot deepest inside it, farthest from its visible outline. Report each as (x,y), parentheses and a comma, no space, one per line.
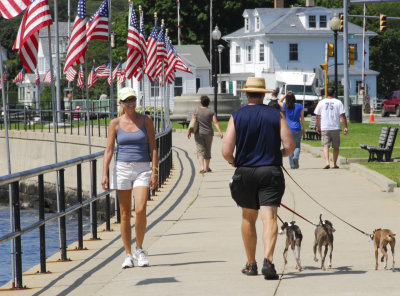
(391,105)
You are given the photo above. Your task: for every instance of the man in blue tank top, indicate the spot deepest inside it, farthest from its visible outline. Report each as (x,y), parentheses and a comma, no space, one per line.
(257,132)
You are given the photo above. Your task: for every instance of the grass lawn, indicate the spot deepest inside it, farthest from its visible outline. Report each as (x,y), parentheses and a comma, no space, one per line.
(388,169)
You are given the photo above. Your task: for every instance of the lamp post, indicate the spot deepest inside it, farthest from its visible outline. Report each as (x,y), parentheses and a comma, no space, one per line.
(216,35)
(220,49)
(335,25)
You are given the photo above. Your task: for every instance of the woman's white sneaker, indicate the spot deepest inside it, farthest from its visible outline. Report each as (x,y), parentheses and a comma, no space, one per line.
(128,262)
(141,257)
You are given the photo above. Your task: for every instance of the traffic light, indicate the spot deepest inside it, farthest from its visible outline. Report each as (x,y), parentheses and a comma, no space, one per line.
(341,22)
(382,22)
(331,49)
(352,55)
(324,66)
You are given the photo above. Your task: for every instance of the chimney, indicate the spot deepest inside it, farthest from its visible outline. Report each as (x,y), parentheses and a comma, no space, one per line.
(279,4)
(310,3)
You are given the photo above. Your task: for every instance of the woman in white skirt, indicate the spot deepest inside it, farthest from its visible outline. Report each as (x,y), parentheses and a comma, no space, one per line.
(135,136)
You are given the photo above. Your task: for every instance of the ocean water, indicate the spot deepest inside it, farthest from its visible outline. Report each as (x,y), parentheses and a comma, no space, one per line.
(30,241)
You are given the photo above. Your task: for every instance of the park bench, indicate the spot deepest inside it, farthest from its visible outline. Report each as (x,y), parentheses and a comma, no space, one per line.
(382,139)
(383,152)
(185,123)
(311,132)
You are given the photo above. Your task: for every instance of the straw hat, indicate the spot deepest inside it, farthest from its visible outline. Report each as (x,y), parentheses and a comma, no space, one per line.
(255,84)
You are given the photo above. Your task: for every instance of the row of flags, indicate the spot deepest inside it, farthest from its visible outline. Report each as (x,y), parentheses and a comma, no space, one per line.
(156,57)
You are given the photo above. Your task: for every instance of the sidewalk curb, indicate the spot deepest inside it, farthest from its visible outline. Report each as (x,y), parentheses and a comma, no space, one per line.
(383,182)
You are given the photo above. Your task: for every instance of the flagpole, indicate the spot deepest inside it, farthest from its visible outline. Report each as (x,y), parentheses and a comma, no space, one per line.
(110,49)
(155,104)
(69,37)
(89,138)
(179,21)
(210,38)
(143,66)
(5,118)
(54,129)
(58,62)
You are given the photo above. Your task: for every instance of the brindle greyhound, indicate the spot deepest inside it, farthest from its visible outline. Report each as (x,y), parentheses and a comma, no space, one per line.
(293,239)
(323,237)
(381,238)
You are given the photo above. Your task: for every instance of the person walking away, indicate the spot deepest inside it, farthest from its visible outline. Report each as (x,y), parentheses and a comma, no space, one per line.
(257,132)
(204,133)
(295,119)
(274,100)
(329,112)
(135,136)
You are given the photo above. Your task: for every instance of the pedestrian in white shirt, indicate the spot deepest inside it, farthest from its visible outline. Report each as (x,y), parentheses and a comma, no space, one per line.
(329,112)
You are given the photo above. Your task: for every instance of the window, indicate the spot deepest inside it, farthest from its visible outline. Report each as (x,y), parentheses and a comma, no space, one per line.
(197,84)
(293,52)
(249,57)
(237,54)
(257,23)
(322,21)
(355,51)
(261,57)
(178,89)
(246,24)
(155,90)
(312,21)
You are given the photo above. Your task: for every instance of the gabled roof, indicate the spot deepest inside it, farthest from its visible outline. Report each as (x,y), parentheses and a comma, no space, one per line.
(193,55)
(286,21)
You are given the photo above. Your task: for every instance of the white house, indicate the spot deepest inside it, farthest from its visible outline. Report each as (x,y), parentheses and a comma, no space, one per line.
(294,39)
(185,83)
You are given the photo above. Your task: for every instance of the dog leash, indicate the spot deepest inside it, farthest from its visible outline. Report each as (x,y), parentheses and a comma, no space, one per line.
(287,208)
(314,200)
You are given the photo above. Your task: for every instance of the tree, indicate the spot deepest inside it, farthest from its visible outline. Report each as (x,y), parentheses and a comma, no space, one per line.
(385,59)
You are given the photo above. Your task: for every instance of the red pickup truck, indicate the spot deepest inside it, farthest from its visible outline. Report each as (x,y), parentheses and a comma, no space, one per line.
(391,105)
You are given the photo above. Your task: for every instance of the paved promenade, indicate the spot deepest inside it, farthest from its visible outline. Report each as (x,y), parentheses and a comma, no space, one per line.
(195,246)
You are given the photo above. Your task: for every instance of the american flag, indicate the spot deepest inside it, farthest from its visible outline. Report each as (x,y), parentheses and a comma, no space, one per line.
(47,77)
(117,72)
(26,44)
(142,38)
(37,77)
(121,77)
(151,60)
(170,71)
(20,77)
(70,75)
(81,78)
(180,64)
(77,44)
(135,58)
(139,71)
(103,70)
(4,78)
(97,27)
(12,8)
(161,52)
(92,78)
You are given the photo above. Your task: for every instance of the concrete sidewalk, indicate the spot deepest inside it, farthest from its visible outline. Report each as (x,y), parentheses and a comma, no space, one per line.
(195,246)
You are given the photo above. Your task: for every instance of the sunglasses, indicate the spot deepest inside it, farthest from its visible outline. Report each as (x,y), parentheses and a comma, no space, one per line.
(130,100)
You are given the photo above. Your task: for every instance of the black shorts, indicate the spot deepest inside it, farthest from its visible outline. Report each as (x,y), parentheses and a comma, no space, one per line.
(252,187)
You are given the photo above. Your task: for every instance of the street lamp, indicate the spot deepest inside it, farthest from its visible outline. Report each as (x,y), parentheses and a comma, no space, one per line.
(216,35)
(220,49)
(335,26)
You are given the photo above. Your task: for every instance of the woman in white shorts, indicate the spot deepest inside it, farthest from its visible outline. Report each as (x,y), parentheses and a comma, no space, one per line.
(135,136)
